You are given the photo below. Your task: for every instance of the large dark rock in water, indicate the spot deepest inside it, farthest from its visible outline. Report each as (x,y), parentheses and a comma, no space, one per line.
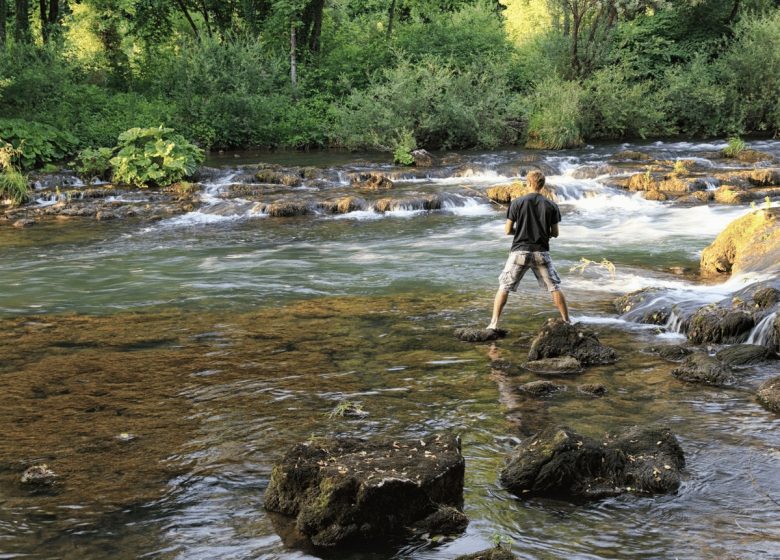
(741,355)
(701,368)
(349,489)
(769,395)
(497,553)
(558,462)
(562,339)
(715,324)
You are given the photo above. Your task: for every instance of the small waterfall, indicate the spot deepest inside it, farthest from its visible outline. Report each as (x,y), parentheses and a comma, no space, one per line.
(676,323)
(763,332)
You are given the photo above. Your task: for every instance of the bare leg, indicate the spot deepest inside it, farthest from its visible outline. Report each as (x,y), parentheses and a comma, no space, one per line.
(498,307)
(560,303)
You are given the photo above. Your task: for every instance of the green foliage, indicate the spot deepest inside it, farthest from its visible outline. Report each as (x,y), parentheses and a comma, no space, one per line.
(555,115)
(91,163)
(154,157)
(735,147)
(36,143)
(697,101)
(751,65)
(441,106)
(402,151)
(464,37)
(13,185)
(616,107)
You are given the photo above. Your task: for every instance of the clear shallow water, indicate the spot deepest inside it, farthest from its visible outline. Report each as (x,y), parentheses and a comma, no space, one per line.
(217,342)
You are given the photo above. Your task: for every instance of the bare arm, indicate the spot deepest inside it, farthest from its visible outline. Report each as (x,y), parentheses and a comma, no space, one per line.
(554,230)
(509,227)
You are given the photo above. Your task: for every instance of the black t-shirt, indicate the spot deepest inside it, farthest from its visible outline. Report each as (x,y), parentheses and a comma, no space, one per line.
(533,215)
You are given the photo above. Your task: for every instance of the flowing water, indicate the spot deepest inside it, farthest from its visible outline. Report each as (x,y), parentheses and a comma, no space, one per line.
(160,370)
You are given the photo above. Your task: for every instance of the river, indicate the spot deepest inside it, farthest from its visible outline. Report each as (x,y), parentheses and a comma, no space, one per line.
(160,369)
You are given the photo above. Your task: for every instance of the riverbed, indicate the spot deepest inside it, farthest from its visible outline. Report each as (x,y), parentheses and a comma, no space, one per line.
(161,368)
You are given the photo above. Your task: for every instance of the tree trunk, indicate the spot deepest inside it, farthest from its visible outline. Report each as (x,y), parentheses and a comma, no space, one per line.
(44,9)
(390,18)
(293,62)
(205,11)
(22,31)
(186,12)
(3,14)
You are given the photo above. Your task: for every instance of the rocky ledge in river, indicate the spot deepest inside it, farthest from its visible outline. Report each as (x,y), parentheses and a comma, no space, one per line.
(557,339)
(350,490)
(768,395)
(558,462)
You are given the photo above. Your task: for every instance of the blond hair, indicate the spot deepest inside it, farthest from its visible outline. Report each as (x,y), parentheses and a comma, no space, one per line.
(535,180)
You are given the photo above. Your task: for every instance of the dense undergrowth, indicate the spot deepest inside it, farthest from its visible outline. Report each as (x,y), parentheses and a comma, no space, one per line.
(444,79)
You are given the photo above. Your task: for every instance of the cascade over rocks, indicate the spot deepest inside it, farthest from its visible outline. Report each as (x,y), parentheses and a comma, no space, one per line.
(702,368)
(370,181)
(347,489)
(558,462)
(557,339)
(648,305)
(768,395)
(504,194)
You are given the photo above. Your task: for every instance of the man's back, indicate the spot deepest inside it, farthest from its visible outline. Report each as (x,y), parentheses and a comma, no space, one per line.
(533,215)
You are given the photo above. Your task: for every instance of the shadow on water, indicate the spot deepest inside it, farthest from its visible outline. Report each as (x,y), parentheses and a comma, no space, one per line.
(163,426)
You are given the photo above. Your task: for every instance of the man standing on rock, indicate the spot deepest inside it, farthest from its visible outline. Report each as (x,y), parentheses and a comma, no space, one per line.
(532,220)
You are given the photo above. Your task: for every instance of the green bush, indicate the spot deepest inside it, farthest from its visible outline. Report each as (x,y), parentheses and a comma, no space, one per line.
(751,65)
(555,120)
(154,157)
(13,186)
(93,163)
(402,151)
(697,100)
(443,107)
(37,144)
(735,147)
(615,107)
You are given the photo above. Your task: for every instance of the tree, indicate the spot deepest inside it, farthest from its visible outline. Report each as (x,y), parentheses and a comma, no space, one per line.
(22,29)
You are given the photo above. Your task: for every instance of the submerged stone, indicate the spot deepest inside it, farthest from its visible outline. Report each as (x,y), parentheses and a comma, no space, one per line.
(671,353)
(701,368)
(592,389)
(558,462)
(39,475)
(564,365)
(768,395)
(557,339)
(479,335)
(496,553)
(348,489)
(744,355)
(540,388)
